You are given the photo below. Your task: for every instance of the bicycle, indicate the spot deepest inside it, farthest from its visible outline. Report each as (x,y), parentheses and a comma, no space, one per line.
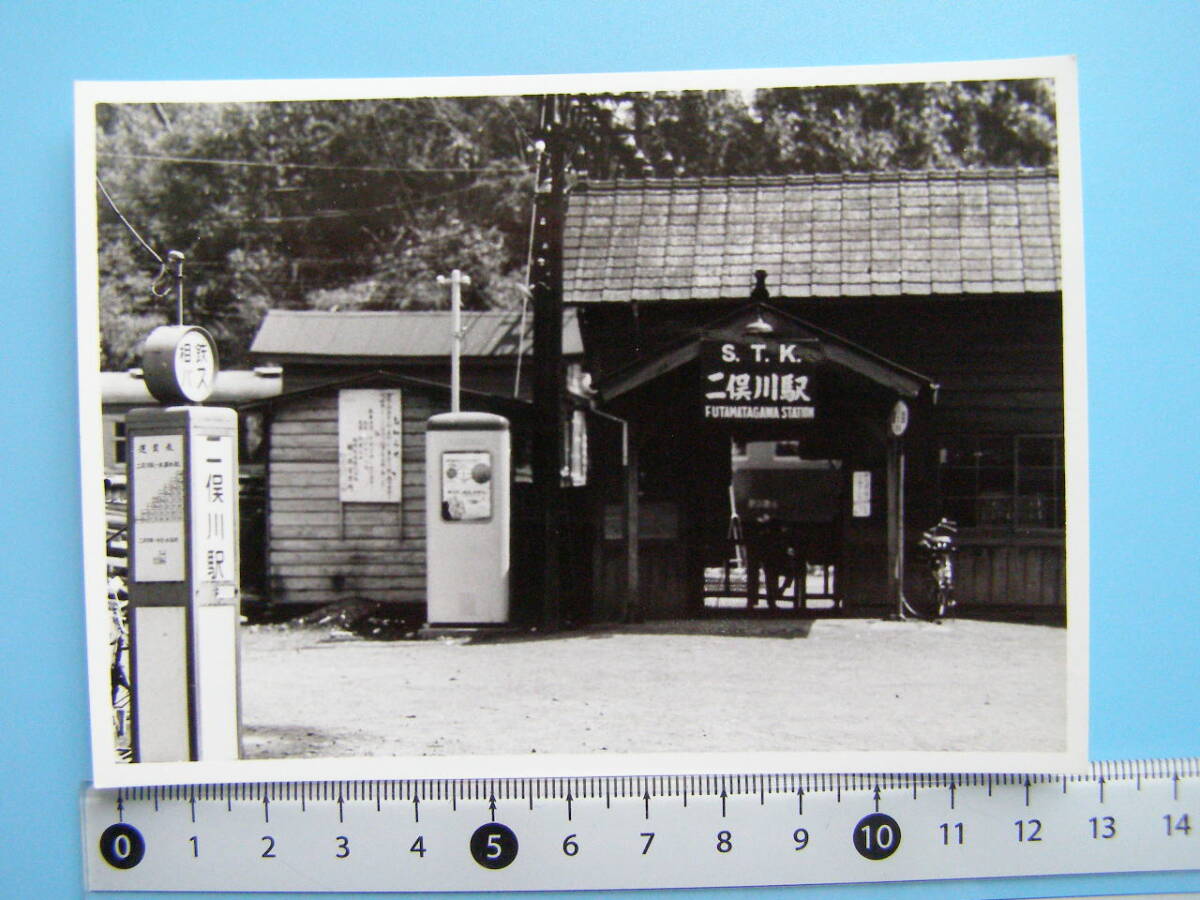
(938,543)
(119,684)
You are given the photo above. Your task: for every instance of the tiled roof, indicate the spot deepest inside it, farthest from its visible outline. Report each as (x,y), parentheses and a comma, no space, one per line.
(908,233)
(398,334)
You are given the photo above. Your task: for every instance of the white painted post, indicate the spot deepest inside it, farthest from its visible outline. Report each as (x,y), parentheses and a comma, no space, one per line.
(184,594)
(457,279)
(184,603)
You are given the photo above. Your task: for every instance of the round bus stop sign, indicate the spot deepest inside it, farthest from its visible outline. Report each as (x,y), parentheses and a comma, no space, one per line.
(179,364)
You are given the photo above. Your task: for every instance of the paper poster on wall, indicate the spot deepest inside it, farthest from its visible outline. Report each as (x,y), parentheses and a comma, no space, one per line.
(158,496)
(861,494)
(466,485)
(370,434)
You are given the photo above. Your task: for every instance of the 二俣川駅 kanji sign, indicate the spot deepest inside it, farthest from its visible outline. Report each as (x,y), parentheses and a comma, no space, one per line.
(759,378)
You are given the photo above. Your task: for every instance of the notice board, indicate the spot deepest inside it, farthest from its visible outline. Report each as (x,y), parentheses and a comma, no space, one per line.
(370,435)
(158,498)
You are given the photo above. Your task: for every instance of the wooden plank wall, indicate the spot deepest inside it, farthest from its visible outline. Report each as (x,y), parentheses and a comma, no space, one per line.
(662,578)
(1010,575)
(321,550)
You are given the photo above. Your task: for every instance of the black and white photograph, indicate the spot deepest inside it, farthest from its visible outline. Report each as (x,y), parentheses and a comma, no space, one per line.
(630,423)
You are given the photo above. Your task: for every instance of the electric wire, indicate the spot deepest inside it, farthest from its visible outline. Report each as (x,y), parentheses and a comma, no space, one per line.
(364,210)
(497,175)
(319,167)
(126,223)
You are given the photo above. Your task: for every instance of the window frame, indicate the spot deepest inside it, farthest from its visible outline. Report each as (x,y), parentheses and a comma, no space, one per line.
(1013,500)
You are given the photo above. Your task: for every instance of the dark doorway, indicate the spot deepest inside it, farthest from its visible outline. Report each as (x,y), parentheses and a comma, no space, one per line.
(781,545)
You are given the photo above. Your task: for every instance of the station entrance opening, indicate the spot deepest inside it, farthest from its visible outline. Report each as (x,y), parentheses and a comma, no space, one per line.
(766,474)
(780,547)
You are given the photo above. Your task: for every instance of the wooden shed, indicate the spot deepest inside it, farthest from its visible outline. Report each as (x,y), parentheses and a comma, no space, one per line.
(899,341)
(346,485)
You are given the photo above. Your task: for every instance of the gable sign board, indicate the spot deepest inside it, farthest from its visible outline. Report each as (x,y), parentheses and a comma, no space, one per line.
(759,378)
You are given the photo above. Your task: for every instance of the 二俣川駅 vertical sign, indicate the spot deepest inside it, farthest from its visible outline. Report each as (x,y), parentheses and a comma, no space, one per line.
(759,378)
(214,505)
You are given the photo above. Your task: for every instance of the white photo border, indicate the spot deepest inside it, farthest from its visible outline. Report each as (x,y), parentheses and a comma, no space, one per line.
(107,772)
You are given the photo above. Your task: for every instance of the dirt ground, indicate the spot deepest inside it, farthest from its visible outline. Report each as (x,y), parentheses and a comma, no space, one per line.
(733,685)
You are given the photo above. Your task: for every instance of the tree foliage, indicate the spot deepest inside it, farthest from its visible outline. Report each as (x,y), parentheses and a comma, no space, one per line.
(910,126)
(352,203)
(360,204)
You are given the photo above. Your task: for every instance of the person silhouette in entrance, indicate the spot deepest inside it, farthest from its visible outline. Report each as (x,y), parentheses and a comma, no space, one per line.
(766,549)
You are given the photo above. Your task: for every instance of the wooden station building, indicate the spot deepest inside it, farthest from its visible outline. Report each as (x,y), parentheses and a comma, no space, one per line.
(902,344)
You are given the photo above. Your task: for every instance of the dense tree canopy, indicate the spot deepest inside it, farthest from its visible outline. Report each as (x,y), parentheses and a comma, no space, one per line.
(360,204)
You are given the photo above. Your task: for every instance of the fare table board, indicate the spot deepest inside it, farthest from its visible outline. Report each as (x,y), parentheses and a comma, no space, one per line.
(156,462)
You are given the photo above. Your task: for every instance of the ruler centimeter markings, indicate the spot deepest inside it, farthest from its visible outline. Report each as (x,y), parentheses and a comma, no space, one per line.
(642,832)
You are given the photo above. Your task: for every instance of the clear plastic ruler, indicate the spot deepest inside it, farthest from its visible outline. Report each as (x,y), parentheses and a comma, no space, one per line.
(642,832)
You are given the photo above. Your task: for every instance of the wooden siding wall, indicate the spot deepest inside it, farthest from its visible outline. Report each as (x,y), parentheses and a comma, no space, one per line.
(321,550)
(1003,575)
(662,579)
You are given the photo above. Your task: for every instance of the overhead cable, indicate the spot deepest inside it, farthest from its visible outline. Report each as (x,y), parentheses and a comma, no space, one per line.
(363,210)
(125,221)
(321,167)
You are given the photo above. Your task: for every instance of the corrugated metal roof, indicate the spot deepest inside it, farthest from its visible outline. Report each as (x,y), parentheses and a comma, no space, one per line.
(397,334)
(904,233)
(232,386)
(471,400)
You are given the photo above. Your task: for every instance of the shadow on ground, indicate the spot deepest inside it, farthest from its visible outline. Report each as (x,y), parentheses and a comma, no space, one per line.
(739,627)
(372,620)
(279,741)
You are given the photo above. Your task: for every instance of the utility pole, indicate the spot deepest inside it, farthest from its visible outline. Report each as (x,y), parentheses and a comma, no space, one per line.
(547,355)
(456,280)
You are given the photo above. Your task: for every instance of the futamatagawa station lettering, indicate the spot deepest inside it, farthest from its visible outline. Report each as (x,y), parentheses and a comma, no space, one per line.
(758,379)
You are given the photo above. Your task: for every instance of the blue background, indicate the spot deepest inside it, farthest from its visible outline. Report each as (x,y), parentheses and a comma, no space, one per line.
(1138,70)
